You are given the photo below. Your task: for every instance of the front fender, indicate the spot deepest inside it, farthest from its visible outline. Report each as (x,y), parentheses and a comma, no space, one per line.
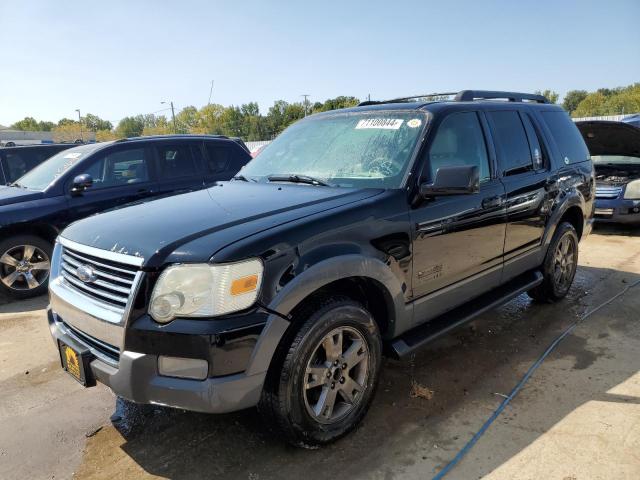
(314,278)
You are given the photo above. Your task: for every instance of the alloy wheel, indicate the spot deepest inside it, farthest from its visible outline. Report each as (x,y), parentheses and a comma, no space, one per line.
(336,375)
(24,267)
(564,263)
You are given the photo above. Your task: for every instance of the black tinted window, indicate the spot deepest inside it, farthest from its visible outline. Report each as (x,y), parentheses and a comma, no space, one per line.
(567,137)
(176,161)
(16,164)
(459,141)
(511,140)
(219,159)
(123,167)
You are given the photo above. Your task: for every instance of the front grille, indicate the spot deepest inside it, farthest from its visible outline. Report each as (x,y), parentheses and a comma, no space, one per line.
(109,351)
(609,192)
(114,282)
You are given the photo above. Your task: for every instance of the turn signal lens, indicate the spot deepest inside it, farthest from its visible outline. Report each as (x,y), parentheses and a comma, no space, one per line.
(244,285)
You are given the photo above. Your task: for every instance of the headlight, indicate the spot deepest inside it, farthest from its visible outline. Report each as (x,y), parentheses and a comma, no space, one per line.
(204,290)
(632,192)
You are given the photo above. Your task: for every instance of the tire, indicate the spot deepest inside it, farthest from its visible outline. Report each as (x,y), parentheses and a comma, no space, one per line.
(292,400)
(559,267)
(18,278)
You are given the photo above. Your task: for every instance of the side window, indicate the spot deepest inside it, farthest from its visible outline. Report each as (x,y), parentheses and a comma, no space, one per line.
(123,167)
(219,159)
(459,141)
(175,161)
(514,153)
(567,137)
(538,152)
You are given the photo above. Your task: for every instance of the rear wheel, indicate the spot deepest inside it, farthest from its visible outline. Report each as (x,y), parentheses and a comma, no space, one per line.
(24,266)
(559,267)
(323,379)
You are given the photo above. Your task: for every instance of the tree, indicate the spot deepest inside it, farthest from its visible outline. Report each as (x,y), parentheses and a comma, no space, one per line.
(336,103)
(572,99)
(549,94)
(187,119)
(156,125)
(105,135)
(68,132)
(28,124)
(94,123)
(130,126)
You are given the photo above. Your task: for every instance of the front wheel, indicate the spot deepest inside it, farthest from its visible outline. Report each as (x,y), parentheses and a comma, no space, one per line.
(321,386)
(559,267)
(24,266)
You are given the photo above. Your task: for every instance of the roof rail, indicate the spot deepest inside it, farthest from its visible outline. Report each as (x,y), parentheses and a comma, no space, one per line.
(467,96)
(172,135)
(471,95)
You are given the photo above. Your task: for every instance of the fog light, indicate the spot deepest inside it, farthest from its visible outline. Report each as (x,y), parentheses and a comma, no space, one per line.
(179,367)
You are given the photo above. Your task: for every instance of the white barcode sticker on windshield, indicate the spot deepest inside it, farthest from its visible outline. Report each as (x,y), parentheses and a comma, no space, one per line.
(72,155)
(383,123)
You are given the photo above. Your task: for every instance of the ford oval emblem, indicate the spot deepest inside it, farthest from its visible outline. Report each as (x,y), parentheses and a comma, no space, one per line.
(86,273)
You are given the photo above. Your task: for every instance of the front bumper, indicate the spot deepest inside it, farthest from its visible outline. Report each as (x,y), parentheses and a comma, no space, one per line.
(135,377)
(617,211)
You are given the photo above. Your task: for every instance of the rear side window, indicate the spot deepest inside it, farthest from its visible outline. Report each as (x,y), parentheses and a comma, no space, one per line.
(567,137)
(176,161)
(510,136)
(459,141)
(219,159)
(16,164)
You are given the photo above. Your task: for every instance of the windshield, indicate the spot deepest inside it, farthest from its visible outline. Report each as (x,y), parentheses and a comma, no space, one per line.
(371,149)
(44,174)
(617,159)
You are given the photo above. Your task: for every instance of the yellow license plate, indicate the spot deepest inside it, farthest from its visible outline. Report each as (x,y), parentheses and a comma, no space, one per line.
(74,363)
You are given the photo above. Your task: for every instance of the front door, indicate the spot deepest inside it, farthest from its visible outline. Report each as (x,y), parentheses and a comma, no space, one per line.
(119,175)
(459,238)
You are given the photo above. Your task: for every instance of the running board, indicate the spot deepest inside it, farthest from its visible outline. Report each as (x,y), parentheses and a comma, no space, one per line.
(416,338)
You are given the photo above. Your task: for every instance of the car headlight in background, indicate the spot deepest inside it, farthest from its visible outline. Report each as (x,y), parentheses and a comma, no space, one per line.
(632,192)
(205,290)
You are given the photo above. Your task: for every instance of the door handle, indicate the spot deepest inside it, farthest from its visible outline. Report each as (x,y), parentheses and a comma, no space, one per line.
(143,191)
(492,202)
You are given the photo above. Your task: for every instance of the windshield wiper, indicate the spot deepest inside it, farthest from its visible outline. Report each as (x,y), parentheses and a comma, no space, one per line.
(242,178)
(16,184)
(295,178)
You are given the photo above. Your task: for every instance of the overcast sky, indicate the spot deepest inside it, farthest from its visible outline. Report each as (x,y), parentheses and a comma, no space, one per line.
(120,58)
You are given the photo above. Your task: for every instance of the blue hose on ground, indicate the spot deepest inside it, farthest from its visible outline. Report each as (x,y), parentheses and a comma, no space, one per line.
(522,382)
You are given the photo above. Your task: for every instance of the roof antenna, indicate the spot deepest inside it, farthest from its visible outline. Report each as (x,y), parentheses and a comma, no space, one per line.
(210,92)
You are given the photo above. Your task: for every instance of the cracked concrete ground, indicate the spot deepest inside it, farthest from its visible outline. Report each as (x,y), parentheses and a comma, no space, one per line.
(577,418)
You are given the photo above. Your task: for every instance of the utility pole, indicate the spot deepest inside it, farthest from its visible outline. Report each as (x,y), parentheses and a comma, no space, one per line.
(173,115)
(305,103)
(80,122)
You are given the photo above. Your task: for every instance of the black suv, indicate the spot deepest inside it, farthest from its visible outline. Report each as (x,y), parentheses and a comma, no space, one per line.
(92,178)
(16,161)
(375,228)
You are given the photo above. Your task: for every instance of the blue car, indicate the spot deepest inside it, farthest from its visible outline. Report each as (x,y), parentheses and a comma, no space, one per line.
(615,150)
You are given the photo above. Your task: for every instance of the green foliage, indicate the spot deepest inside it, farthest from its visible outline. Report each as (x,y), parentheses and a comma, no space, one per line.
(130,126)
(30,124)
(549,94)
(607,101)
(573,98)
(94,123)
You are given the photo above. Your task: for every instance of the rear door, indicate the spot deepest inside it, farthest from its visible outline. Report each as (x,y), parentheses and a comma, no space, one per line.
(460,238)
(120,175)
(178,165)
(523,164)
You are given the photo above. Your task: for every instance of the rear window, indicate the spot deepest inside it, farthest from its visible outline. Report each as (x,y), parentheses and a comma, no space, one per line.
(567,137)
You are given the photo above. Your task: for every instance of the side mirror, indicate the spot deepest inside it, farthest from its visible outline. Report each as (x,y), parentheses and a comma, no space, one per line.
(81,183)
(458,180)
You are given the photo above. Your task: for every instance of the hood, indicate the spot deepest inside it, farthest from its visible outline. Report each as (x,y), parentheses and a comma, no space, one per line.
(610,138)
(9,195)
(230,210)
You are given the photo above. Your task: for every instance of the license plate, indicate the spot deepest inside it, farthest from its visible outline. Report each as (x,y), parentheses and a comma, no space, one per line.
(76,364)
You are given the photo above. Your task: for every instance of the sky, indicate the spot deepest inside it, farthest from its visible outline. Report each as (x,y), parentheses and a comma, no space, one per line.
(120,58)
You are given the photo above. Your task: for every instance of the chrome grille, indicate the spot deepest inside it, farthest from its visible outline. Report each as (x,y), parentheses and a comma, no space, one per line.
(606,191)
(114,282)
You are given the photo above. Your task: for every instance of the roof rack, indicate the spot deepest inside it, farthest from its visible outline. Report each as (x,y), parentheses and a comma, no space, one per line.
(172,135)
(467,96)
